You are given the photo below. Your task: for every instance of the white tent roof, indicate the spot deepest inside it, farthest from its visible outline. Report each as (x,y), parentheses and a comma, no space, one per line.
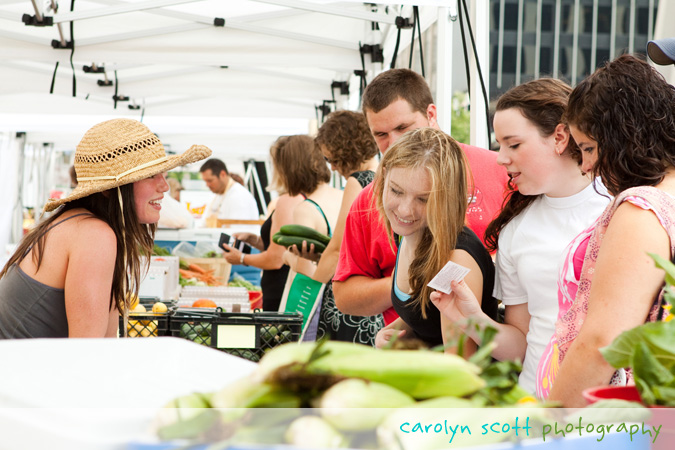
(234,88)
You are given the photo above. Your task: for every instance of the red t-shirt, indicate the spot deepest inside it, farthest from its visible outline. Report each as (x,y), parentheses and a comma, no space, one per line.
(490,180)
(367,251)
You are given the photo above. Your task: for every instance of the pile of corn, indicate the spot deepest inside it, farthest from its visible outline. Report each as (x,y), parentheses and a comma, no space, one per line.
(337,394)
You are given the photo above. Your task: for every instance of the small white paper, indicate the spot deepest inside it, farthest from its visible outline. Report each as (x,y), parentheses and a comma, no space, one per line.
(451,271)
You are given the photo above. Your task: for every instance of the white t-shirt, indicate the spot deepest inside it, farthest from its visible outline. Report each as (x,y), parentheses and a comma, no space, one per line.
(236,203)
(174,215)
(530,248)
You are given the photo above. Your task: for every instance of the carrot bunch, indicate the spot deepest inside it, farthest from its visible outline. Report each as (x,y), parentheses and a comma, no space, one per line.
(194,271)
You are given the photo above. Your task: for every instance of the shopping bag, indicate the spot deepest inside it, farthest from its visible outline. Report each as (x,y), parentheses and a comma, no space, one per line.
(303,295)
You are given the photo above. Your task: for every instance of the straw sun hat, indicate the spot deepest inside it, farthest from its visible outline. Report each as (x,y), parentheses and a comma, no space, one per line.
(118,152)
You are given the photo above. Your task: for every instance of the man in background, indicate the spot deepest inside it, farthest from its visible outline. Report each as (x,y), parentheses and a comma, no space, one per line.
(232,200)
(397,101)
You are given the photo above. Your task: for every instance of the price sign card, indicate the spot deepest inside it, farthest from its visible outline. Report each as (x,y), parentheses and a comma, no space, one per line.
(451,271)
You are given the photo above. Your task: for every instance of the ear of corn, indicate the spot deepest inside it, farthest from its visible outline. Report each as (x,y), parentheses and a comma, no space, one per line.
(359,405)
(420,374)
(248,393)
(314,432)
(190,428)
(186,416)
(300,353)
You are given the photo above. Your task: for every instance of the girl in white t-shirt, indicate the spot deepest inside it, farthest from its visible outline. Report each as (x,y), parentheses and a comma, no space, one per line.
(549,202)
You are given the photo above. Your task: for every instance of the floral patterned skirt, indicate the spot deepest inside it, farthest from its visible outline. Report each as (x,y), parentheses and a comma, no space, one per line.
(338,326)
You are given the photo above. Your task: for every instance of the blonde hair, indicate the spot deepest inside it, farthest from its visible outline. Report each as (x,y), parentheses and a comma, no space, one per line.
(443,159)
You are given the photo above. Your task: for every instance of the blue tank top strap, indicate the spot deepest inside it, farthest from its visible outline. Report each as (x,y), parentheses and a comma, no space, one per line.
(402,296)
(330,233)
(54,225)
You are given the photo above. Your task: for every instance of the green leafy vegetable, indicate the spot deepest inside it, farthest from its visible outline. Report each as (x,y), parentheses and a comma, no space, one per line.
(239,281)
(160,251)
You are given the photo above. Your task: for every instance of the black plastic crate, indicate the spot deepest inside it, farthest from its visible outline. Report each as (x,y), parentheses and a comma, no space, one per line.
(148,324)
(248,335)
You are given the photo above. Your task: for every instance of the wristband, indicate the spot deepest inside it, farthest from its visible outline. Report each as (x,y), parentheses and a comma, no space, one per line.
(241,259)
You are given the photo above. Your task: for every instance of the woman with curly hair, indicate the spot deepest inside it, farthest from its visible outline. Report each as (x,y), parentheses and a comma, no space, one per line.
(348,146)
(623,120)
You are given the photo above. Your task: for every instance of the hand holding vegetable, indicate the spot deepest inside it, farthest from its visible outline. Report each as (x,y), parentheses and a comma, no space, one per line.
(306,251)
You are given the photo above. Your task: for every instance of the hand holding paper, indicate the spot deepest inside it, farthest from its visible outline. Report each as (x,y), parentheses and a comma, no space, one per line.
(451,271)
(453,298)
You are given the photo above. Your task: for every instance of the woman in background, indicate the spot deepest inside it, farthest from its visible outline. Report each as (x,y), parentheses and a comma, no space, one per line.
(348,146)
(298,172)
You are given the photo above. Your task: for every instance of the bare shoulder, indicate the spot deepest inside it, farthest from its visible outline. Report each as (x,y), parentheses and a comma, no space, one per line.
(93,234)
(634,220)
(303,208)
(336,191)
(353,184)
(286,201)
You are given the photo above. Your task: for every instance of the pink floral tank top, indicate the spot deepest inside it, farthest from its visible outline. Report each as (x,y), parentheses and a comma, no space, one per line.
(574,291)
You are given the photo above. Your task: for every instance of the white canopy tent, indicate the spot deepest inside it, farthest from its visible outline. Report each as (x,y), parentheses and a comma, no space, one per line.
(234,87)
(261,74)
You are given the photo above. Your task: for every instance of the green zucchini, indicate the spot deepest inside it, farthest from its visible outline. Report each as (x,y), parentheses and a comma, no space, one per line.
(303,231)
(287,241)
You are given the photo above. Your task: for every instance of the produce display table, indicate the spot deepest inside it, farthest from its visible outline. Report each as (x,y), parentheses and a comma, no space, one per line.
(99,393)
(170,238)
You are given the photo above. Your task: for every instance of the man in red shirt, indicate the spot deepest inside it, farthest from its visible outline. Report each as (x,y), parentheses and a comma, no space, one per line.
(397,101)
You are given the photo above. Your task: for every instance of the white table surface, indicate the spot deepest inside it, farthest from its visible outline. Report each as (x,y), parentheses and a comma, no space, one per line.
(99,393)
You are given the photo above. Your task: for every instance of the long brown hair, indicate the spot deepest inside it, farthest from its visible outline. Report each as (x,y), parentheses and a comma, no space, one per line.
(628,108)
(543,103)
(443,159)
(106,207)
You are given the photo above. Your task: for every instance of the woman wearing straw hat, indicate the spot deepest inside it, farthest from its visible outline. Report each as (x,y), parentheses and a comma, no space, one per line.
(71,275)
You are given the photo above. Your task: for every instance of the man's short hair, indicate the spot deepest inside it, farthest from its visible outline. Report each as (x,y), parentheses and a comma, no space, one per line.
(215,166)
(393,84)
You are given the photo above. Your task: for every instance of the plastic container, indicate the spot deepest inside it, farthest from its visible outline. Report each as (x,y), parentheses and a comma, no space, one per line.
(220,267)
(662,418)
(595,394)
(148,324)
(213,292)
(255,299)
(225,305)
(247,335)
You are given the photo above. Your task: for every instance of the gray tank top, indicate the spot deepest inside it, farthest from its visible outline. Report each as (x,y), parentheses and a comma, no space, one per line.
(30,309)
